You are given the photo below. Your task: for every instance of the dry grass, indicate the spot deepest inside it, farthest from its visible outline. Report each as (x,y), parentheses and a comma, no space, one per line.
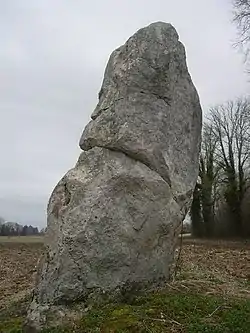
(213,266)
(21,239)
(211,275)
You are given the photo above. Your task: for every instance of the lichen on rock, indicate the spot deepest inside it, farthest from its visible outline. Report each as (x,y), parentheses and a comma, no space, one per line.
(114,219)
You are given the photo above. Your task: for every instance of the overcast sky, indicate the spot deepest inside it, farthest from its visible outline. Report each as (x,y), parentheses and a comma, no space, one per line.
(52,59)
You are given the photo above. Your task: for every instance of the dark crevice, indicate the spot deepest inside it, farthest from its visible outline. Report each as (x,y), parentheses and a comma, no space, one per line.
(97,113)
(67,195)
(166,99)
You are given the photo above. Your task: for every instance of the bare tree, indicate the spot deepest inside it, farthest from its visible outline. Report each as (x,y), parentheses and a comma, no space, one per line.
(242,20)
(196,213)
(208,173)
(231,128)
(202,210)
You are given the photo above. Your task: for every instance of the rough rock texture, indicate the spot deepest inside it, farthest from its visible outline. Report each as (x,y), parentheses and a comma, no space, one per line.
(113,220)
(149,108)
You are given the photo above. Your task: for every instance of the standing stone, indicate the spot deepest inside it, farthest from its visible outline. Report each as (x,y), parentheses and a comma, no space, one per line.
(114,220)
(149,108)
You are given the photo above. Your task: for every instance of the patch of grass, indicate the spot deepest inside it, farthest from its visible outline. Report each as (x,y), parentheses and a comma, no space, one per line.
(156,313)
(161,312)
(12,318)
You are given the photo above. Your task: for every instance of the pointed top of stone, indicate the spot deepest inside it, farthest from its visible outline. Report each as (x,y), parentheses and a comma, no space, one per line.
(160,29)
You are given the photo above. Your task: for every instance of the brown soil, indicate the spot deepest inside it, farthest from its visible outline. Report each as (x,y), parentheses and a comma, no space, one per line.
(17,268)
(209,266)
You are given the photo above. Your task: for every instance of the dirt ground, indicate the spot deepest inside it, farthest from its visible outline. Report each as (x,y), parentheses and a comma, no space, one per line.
(212,266)
(17,267)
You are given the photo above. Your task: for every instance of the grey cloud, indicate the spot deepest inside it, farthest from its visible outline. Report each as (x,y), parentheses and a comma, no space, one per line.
(52,58)
(24,210)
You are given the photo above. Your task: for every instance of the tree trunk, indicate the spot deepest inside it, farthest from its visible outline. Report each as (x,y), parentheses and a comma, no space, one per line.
(196,218)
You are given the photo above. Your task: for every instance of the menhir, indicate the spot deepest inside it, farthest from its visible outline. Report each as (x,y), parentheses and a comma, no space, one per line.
(114,219)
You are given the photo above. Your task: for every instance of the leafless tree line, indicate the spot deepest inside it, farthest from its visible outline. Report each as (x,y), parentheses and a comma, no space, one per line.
(241,18)
(218,207)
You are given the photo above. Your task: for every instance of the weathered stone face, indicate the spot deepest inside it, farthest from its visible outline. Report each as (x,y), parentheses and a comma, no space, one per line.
(149,108)
(113,220)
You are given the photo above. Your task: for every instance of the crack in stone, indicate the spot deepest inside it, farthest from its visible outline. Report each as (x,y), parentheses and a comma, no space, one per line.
(67,195)
(137,159)
(96,114)
(166,99)
(141,226)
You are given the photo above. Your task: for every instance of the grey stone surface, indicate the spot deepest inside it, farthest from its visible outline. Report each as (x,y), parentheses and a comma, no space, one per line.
(149,108)
(114,219)
(112,223)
